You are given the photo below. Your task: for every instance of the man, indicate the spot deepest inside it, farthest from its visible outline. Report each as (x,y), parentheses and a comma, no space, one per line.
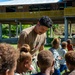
(35,36)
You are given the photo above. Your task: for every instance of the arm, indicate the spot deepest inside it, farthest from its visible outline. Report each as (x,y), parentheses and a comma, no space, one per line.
(42,45)
(41,48)
(21,39)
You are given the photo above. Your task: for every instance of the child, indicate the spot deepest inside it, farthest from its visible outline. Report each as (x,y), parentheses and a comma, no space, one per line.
(53,49)
(69,45)
(70,61)
(62,61)
(45,62)
(8,59)
(24,61)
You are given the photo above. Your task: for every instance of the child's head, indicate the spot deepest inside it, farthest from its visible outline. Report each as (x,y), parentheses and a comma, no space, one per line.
(55,43)
(25,58)
(8,59)
(64,45)
(70,60)
(69,41)
(25,47)
(45,60)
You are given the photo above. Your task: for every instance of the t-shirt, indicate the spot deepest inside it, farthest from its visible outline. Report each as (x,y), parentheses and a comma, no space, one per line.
(63,52)
(30,37)
(69,47)
(72,73)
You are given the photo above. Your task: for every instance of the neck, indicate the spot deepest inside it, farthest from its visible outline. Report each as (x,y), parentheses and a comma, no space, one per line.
(48,71)
(35,30)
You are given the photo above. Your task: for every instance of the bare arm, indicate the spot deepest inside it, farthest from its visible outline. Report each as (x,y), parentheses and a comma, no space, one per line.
(41,48)
(21,39)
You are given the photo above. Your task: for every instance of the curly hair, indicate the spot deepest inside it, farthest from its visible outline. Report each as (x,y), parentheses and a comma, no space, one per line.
(25,48)
(8,56)
(70,57)
(25,53)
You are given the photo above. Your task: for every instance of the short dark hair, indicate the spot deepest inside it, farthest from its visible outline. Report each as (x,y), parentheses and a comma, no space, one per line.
(70,57)
(45,58)
(46,21)
(69,41)
(64,44)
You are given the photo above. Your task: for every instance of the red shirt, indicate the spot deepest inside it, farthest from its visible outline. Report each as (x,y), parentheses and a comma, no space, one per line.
(69,47)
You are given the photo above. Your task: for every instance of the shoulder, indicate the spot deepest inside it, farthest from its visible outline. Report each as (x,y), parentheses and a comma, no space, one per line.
(52,49)
(72,73)
(28,30)
(43,36)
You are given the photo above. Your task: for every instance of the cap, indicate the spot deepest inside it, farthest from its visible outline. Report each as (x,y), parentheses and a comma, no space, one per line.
(46,21)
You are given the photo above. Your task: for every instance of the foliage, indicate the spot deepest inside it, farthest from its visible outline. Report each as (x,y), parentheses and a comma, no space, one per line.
(5,30)
(55,26)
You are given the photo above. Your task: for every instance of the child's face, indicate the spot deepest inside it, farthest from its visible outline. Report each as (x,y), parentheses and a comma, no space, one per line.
(27,65)
(57,46)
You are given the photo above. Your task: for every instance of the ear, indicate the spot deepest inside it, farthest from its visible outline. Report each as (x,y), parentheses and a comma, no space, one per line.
(7,72)
(53,63)
(52,68)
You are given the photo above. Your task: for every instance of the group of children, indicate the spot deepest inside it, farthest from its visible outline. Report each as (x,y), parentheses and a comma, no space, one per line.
(59,51)
(19,62)
(50,62)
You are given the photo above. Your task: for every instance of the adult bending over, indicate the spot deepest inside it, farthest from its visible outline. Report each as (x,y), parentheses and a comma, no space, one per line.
(35,36)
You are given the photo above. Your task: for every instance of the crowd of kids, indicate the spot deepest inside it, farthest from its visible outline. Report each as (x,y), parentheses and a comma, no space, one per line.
(50,62)
(58,60)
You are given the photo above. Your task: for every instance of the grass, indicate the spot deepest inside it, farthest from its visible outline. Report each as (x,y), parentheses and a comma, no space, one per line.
(46,47)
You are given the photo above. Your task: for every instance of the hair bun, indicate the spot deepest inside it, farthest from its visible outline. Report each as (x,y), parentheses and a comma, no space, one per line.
(25,48)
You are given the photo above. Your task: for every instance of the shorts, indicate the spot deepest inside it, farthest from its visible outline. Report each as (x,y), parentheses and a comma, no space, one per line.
(63,67)
(56,72)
